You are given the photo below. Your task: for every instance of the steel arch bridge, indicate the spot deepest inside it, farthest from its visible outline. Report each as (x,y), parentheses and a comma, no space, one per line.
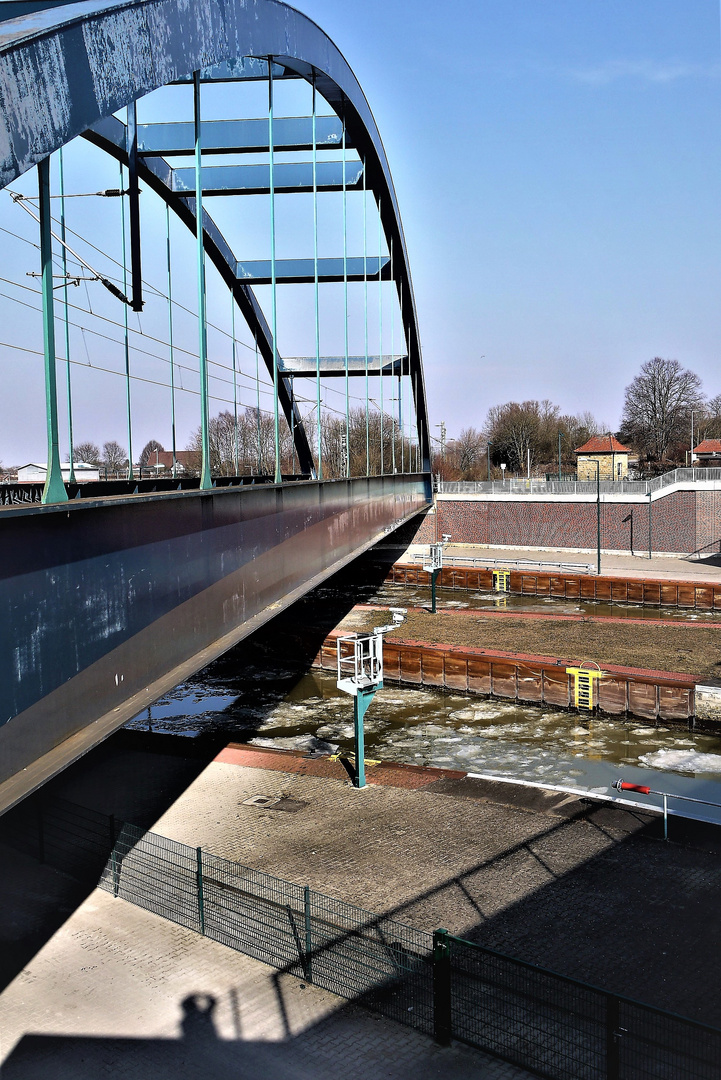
(106,603)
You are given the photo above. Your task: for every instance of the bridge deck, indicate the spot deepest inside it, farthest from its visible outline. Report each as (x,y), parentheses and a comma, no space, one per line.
(107,604)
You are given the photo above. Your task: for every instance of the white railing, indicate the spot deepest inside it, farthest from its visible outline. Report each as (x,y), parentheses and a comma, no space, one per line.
(479,562)
(577,487)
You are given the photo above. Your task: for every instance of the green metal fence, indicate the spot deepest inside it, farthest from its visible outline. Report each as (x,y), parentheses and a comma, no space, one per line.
(445,986)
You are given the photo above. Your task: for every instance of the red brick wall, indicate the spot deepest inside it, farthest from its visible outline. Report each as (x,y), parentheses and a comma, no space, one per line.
(523,523)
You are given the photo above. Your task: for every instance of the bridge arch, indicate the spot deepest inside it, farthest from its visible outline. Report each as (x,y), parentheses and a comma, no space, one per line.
(65,72)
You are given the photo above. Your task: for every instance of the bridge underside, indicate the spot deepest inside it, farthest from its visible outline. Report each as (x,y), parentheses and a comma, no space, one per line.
(106,605)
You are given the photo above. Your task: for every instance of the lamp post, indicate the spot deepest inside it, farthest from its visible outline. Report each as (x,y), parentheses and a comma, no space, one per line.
(560,436)
(649,523)
(598,515)
(488,455)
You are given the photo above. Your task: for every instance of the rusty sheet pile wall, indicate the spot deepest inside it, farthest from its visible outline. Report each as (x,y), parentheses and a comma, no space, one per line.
(649,591)
(522,677)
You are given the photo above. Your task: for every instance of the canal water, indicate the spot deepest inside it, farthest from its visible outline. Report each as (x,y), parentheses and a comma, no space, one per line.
(248,696)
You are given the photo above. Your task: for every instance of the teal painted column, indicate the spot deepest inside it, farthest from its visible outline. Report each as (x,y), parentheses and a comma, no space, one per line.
(66,320)
(205,479)
(315,284)
(126,336)
(273,277)
(361,701)
(54,490)
(170,341)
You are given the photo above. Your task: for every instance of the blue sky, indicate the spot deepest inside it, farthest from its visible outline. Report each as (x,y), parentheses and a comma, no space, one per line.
(557,166)
(557,169)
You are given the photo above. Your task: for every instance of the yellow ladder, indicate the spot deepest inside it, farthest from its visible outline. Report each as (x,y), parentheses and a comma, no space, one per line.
(584,682)
(501,580)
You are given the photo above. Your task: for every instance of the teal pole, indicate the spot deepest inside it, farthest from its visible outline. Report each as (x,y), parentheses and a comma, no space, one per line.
(257,407)
(71,455)
(235,389)
(170,341)
(273,283)
(54,490)
(380,325)
(345,309)
(393,357)
(434,578)
(315,281)
(205,479)
(365,311)
(126,336)
(361,701)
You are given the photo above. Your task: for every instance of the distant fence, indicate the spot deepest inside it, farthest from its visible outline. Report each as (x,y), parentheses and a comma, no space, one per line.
(577,487)
(442,985)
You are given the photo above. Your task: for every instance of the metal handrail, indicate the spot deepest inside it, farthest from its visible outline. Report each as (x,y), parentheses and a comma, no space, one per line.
(577,487)
(624,785)
(476,561)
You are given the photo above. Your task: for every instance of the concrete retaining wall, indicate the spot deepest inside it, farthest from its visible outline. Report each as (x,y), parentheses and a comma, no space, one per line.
(682,521)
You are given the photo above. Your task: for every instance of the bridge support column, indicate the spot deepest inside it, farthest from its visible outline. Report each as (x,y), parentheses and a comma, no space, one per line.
(54,490)
(361,701)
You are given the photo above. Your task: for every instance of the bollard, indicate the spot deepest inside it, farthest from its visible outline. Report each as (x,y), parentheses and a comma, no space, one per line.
(442,1020)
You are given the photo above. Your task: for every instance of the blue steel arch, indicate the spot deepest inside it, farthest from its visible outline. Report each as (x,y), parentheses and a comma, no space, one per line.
(63,70)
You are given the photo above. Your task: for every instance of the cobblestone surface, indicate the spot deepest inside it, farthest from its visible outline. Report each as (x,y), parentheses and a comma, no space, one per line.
(119,992)
(595,896)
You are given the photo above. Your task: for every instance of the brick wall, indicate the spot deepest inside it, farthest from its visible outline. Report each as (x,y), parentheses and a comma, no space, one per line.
(624,526)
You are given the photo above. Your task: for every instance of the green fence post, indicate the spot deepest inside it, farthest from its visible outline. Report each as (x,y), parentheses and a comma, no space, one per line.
(114,863)
(308,938)
(199,883)
(442,1026)
(613,1034)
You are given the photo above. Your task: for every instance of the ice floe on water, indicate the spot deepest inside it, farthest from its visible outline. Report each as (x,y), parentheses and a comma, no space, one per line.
(687,761)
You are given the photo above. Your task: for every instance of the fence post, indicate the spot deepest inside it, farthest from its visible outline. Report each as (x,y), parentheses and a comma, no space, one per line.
(442,1025)
(308,937)
(113,856)
(199,885)
(612,1037)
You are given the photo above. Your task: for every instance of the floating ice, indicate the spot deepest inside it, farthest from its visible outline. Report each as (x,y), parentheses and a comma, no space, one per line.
(688,761)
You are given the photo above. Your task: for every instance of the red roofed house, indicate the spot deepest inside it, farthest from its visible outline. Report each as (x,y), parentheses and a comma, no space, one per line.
(611,455)
(708,453)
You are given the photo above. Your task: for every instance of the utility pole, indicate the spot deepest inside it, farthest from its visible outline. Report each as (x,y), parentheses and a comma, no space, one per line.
(488,453)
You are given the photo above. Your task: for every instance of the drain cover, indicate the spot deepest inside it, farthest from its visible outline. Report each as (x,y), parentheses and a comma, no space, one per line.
(272,802)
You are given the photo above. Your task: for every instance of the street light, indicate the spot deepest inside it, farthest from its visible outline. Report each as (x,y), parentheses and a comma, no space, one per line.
(488,454)
(649,523)
(560,436)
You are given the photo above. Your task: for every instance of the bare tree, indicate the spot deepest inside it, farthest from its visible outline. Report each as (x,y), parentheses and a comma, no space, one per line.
(115,456)
(88,452)
(657,407)
(146,454)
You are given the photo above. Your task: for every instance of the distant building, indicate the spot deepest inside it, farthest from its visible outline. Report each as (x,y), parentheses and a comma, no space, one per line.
(708,453)
(35,472)
(161,461)
(611,455)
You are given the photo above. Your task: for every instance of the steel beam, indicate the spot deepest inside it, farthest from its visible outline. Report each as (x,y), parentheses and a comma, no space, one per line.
(207,568)
(290,178)
(302,271)
(334,367)
(239,136)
